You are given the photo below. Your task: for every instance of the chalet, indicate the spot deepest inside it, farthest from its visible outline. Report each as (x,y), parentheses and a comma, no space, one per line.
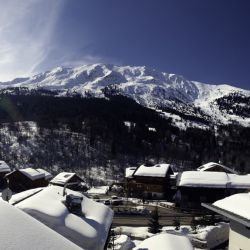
(196,187)
(4,169)
(71,180)
(236,208)
(27,178)
(216,167)
(81,220)
(150,181)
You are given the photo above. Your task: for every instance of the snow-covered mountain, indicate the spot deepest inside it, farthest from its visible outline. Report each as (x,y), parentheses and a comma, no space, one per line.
(188,103)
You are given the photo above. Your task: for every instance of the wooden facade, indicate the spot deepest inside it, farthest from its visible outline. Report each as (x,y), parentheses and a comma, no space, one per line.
(151,187)
(19,182)
(190,198)
(74,182)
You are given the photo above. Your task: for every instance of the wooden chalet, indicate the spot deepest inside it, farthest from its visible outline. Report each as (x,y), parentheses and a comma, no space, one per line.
(216,167)
(196,187)
(4,169)
(27,178)
(71,180)
(150,181)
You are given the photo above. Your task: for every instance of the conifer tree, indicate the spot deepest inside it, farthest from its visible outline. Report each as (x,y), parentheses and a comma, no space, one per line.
(154,225)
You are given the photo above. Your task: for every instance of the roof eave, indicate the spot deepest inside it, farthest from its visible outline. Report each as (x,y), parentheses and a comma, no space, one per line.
(227,214)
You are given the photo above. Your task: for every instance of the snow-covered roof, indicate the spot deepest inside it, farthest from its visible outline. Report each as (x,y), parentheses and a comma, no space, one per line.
(98,190)
(129,172)
(165,241)
(21,231)
(32,173)
(210,165)
(4,167)
(88,231)
(47,175)
(238,204)
(213,179)
(62,178)
(158,170)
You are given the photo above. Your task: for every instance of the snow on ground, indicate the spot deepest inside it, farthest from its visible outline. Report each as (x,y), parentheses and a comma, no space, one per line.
(123,242)
(21,231)
(239,204)
(134,232)
(98,190)
(209,236)
(88,230)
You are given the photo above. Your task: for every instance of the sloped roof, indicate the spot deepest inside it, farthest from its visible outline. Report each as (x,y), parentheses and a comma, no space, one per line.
(158,170)
(4,167)
(88,231)
(21,231)
(62,178)
(165,241)
(212,179)
(236,207)
(129,172)
(32,173)
(210,165)
(238,204)
(47,175)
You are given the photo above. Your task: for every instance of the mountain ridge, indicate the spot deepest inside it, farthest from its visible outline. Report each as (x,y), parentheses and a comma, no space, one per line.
(171,95)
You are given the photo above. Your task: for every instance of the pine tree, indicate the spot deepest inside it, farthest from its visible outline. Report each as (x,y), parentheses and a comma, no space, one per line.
(176,223)
(154,225)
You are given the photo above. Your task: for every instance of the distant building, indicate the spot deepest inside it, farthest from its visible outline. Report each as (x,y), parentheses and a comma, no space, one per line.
(150,181)
(216,167)
(196,187)
(4,169)
(71,180)
(27,178)
(236,208)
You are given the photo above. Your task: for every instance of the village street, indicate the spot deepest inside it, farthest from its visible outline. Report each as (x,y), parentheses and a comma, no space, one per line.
(167,215)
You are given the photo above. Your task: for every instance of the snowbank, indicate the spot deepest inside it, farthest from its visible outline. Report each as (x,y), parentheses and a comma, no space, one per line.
(88,230)
(21,231)
(123,242)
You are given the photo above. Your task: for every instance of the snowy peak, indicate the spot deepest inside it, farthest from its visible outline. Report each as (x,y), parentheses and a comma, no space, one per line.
(169,93)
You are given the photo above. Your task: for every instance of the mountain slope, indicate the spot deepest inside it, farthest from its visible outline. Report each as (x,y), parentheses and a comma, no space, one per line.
(188,103)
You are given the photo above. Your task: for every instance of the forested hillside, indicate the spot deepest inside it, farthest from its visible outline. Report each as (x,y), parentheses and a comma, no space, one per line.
(102,136)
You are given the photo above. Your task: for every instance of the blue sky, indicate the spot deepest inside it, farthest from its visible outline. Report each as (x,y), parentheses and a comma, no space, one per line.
(207,41)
